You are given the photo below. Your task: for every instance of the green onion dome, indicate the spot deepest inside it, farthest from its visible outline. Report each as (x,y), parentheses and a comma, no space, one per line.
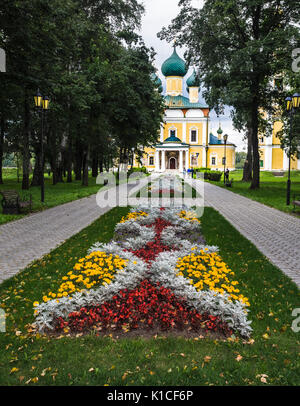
(193,80)
(157,82)
(174,66)
(220,131)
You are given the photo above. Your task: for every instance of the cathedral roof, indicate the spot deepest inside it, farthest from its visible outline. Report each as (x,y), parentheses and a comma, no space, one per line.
(193,80)
(157,82)
(172,139)
(182,102)
(174,66)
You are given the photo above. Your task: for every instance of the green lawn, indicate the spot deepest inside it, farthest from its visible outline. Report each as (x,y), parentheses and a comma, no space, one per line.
(54,194)
(91,360)
(272,190)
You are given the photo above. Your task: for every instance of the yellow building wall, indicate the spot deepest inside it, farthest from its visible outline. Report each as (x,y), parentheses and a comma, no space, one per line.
(174,85)
(277,127)
(194,94)
(219,153)
(294,163)
(169,126)
(194,151)
(277,158)
(199,127)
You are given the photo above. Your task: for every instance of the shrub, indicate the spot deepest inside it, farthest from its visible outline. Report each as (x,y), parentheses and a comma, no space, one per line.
(214,176)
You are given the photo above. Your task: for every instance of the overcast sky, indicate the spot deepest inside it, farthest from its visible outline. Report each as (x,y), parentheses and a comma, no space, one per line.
(159,13)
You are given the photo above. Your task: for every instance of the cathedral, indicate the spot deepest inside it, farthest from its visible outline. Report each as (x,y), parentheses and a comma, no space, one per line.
(184,141)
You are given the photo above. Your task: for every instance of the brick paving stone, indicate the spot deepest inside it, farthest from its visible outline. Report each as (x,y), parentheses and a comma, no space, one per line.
(275,233)
(30,238)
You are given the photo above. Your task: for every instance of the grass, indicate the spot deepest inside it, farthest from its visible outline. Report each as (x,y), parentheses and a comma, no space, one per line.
(54,194)
(91,360)
(272,191)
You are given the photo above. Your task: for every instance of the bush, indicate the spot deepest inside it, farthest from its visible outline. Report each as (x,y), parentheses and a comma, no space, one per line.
(143,169)
(214,176)
(202,169)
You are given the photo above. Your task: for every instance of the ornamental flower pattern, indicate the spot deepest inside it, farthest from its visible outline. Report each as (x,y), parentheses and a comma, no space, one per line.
(132,280)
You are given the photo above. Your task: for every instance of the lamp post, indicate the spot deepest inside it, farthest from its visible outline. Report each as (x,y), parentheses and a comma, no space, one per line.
(225,137)
(42,105)
(132,161)
(206,156)
(292,104)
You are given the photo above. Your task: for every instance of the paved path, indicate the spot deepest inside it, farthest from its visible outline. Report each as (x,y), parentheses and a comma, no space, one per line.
(275,234)
(32,237)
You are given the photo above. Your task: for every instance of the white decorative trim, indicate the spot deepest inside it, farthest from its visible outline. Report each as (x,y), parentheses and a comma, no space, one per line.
(194,113)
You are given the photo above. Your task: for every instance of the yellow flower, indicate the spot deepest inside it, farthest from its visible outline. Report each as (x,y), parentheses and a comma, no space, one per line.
(209,271)
(89,272)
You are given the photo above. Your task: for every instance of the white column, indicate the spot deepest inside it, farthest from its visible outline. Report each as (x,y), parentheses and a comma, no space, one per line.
(157,160)
(298,163)
(268,158)
(163,160)
(285,161)
(161,133)
(184,131)
(203,164)
(180,161)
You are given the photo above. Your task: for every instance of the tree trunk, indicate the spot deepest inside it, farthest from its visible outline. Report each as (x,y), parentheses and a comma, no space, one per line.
(247,172)
(101,165)
(37,171)
(78,161)
(95,166)
(85,168)
(69,161)
(25,146)
(255,147)
(1,147)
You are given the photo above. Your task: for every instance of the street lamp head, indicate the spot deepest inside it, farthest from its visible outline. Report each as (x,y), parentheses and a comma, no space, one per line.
(289,104)
(296,100)
(38,99)
(45,103)
(225,138)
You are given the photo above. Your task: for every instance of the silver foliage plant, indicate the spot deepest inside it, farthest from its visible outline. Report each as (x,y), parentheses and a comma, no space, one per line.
(162,271)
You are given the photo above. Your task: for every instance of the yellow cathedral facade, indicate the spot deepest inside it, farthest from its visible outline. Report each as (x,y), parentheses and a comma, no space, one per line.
(184,141)
(272,156)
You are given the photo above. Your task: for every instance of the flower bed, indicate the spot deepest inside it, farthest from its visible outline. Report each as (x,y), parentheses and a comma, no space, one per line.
(148,277)
(146,307)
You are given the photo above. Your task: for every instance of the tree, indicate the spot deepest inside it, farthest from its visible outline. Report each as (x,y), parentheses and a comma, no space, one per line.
(239,46)
(84,55)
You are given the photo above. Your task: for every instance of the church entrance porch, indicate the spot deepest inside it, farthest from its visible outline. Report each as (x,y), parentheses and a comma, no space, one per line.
(172,163)
(171,160)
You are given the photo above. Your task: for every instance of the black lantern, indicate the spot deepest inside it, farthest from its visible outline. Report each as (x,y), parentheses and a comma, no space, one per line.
(42,105)
(292,104)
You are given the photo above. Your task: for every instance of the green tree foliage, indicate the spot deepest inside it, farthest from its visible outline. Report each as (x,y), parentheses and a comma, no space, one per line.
(85,56)
(240,46)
